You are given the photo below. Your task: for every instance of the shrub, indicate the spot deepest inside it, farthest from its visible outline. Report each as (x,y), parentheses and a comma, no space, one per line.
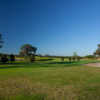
(4,59)
(70,59)
(62,59)
(11,58)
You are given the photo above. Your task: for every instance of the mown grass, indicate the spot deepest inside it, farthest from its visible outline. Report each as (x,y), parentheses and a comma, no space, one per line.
(49,80)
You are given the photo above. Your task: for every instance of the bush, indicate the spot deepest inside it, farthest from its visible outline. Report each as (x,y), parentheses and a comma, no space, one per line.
(90,56)
(78,58)
(70,59)
(4,59)
(62,59)
(11,58)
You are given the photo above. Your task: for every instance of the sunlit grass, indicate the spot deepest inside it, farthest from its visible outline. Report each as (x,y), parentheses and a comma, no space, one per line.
(49,80)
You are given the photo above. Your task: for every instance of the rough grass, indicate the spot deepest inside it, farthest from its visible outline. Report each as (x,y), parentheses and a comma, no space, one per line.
(49,81)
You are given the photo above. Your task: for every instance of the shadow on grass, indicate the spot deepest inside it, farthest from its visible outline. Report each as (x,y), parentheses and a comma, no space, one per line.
(35,65)
(63,63)
(7,67)
(45,60)
(40,64)
(73,62)
(16,65)
(70,64)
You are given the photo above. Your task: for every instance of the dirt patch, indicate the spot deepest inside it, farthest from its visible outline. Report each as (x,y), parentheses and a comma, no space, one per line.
(93,64)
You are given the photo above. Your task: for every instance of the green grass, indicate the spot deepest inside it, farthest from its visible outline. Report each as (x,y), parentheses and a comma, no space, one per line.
(49,80)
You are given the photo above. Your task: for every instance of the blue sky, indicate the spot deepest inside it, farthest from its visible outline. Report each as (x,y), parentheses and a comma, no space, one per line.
(56,27)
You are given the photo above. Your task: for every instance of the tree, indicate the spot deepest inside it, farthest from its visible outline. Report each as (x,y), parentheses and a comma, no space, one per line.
(78,58)
(12,58)
(75,54)
(62,59)
(70,59)
(4,59)
(1,41)
(97,53)
(1,45)
(74,57)
(28,51)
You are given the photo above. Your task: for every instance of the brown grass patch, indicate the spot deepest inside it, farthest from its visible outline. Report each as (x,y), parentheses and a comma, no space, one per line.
(14,87)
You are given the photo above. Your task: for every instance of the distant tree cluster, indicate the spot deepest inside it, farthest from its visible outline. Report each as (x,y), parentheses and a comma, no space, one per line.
(90,57)
(75,57)
(71,59)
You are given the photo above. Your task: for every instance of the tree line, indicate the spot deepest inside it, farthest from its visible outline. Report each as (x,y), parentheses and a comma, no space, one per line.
(29,52)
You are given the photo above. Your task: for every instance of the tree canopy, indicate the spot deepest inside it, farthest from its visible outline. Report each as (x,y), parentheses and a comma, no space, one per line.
(97,51)
(27,50)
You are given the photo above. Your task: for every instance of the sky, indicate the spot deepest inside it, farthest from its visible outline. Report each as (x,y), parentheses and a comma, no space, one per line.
(55,27)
